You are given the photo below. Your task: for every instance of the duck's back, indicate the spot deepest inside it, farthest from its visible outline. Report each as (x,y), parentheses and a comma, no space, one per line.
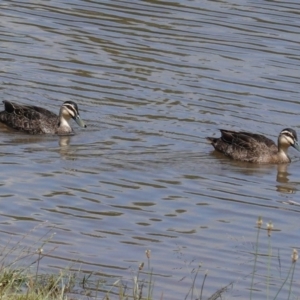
(27,118)
(245,146)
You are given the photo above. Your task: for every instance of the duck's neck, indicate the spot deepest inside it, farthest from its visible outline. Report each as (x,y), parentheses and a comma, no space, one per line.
(63,126)
(282,153)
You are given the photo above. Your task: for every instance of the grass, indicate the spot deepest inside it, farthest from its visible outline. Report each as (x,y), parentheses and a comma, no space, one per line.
(21,277)
(287,281)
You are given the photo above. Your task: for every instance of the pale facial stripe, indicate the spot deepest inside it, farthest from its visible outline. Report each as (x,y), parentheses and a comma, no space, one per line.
(72,111)
(289,136)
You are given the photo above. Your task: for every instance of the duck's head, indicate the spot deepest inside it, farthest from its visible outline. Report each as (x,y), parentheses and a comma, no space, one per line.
(288,137)
(70,110)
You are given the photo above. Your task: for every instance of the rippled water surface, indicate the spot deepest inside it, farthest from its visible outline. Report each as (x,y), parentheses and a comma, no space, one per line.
(152,79)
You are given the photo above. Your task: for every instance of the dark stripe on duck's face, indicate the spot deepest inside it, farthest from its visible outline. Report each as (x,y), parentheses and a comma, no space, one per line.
(288,134)
(72,110)
(291,137)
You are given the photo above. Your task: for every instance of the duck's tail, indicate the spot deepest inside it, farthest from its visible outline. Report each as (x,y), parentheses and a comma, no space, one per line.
(211,140)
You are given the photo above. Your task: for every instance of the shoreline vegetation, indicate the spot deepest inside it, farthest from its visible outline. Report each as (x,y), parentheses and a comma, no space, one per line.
(21,277)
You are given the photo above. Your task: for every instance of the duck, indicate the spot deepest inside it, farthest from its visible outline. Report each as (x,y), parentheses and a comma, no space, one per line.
(255,148)
(38,120)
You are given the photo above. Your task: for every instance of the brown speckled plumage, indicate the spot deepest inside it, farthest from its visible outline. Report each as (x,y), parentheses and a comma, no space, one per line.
(255,148)
(37,120)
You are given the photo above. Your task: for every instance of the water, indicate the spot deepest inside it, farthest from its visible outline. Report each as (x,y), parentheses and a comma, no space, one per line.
(152,79)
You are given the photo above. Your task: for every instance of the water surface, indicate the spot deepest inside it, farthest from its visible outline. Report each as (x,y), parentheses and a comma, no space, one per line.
(152,79)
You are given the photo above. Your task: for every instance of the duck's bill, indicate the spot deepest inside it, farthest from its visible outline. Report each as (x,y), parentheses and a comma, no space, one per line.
(81,123)
(296,146)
